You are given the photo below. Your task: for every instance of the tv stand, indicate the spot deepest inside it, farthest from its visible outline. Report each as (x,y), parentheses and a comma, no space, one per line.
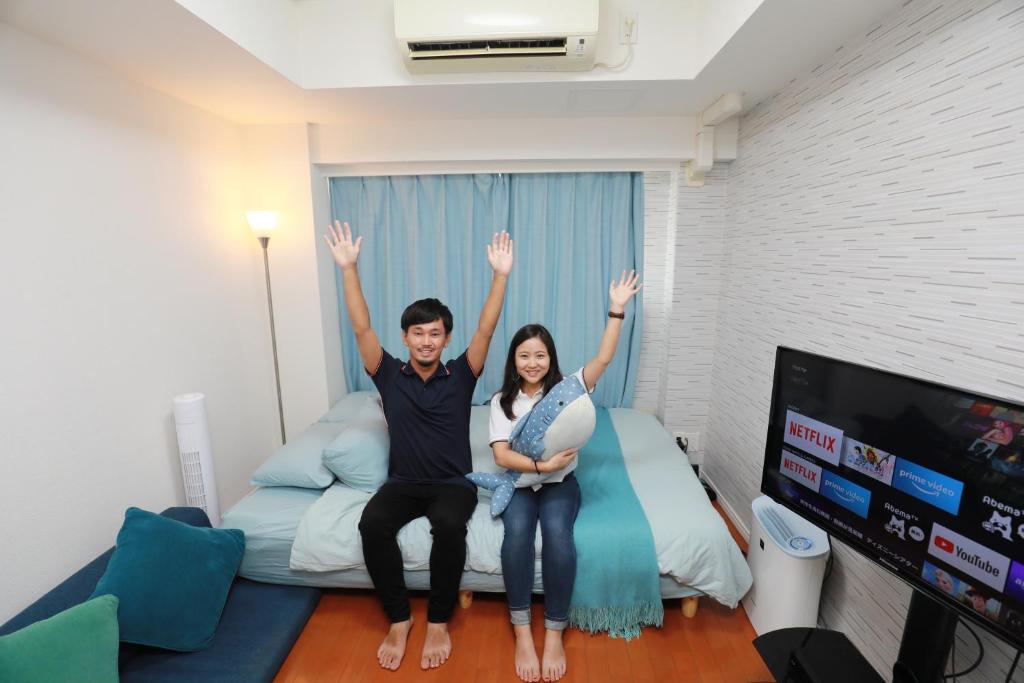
(927,640)
(813,655)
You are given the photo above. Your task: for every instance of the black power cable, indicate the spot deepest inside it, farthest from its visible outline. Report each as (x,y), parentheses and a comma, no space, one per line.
(972,667)
(1013,667)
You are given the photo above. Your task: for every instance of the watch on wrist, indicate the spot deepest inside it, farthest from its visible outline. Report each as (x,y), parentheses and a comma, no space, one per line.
(620,316)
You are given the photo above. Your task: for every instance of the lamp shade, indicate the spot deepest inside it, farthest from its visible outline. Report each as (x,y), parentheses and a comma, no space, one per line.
(262,222)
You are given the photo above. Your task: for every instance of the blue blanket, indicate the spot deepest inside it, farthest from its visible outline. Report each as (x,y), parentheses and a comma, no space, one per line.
(616,587)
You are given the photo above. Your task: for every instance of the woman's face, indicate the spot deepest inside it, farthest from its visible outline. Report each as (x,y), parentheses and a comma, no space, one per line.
(532,361)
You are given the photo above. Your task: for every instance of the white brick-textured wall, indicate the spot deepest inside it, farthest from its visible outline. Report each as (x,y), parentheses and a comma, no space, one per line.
(656,226)
(875,214)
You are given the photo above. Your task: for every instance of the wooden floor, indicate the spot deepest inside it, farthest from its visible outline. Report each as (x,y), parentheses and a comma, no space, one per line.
(340,643)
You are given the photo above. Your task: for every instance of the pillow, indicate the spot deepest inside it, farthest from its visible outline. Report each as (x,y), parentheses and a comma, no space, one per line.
(77,644)
(359,455)
(299,462)
(172,580)
(349,406)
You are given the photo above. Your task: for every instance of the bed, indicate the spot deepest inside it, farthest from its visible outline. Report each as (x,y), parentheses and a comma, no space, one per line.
(309,537)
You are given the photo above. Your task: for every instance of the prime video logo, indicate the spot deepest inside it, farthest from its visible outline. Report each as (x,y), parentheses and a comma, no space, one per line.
(844,493)
(928,487)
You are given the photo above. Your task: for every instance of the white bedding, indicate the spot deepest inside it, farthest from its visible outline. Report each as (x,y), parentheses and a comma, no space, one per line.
(692,542)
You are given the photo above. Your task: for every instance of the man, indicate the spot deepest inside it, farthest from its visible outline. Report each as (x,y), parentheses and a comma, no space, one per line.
(427,406)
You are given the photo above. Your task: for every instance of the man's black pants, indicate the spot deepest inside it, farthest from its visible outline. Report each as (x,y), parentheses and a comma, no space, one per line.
(448,507)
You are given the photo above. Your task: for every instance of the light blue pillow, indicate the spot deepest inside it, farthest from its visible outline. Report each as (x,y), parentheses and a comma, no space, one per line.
(349,406)
(300,461)
(358,456)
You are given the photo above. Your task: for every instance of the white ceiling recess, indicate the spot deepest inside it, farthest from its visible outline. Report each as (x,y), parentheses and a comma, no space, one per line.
(335,61)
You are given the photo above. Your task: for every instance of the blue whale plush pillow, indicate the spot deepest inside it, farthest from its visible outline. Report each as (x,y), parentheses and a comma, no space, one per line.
(564,418)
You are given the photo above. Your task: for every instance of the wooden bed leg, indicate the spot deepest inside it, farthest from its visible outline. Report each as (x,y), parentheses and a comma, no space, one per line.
(690,607)
(465,599)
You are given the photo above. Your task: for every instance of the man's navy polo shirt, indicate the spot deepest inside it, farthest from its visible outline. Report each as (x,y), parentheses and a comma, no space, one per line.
(428,422)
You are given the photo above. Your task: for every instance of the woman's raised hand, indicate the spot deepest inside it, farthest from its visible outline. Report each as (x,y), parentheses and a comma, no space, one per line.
(499,253)
(619,293)
(344,250)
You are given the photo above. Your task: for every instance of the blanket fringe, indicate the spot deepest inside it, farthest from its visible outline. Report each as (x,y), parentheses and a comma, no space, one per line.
(620,621)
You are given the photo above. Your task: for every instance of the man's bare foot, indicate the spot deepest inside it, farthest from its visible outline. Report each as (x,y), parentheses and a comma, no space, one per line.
(391,651)
(527,664)
(437,646)
(554,656)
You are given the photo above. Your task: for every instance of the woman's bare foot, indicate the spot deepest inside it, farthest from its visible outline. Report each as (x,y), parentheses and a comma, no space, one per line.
(437,646)
(391,651)
(527,664)
(554,656)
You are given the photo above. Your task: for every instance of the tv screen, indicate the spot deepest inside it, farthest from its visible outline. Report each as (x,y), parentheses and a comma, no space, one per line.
(924,479)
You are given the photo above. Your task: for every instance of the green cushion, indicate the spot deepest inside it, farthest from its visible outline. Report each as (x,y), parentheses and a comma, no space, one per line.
(172,579)
(79,644)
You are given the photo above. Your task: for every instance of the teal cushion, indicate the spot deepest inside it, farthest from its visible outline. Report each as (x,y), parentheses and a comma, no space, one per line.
(359,455)
(172,580)
(349,406)
(299,462)
(79,644)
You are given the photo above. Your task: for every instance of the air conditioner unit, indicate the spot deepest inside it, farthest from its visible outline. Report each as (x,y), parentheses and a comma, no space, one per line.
(444,36)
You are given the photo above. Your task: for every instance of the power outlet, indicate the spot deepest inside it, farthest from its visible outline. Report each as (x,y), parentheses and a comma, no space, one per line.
(628,26)
(690,439)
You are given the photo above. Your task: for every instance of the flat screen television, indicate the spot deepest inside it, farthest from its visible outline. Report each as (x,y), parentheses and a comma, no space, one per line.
(923,479)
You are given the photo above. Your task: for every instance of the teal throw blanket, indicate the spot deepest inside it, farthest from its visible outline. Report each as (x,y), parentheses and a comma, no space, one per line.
(616,587)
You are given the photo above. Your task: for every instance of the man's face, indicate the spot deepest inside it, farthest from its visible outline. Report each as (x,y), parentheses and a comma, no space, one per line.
(425,342)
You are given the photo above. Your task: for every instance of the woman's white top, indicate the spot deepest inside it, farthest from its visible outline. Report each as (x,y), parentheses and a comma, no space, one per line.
(501,426)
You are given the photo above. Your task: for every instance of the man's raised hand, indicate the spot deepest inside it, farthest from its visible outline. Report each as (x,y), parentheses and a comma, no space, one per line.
(344,250)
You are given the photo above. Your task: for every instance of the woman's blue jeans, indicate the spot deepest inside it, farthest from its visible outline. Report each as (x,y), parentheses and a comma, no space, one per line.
(556,506)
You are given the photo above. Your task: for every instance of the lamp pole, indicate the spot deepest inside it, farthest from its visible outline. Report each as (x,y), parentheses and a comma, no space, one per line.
(264,241)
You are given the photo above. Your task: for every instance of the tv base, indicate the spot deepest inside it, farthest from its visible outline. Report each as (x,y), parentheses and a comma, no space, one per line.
(927,640)
(813,655)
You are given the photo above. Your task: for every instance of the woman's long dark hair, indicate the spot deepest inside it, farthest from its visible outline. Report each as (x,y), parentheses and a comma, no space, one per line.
(511,379)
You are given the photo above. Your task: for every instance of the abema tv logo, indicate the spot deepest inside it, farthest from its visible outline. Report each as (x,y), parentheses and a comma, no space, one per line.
(854,498)
(816,438)
(970,557)
(928,485)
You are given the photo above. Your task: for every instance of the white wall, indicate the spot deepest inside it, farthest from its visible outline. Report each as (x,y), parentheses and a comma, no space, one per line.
(129,277)
(876,214)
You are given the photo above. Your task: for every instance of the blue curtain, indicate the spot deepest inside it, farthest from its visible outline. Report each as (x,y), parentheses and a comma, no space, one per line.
(426,236)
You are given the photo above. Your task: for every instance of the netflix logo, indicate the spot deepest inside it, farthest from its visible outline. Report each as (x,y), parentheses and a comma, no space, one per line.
(816,438)
(800,470)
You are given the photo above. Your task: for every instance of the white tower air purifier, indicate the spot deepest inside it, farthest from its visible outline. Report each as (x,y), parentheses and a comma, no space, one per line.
(196,454)
(787,557)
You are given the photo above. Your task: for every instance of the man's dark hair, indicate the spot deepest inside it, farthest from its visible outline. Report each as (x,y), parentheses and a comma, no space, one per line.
(426,311)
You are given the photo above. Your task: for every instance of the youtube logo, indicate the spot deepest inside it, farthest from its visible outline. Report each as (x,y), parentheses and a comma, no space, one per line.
(969,556)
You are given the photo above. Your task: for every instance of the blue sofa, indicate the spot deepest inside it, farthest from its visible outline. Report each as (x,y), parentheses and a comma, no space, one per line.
(260,623)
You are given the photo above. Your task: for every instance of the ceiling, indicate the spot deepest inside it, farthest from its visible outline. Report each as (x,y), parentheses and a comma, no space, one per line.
(346,58)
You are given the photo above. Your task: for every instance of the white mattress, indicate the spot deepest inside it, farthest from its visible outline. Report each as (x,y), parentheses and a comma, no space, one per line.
(696,554)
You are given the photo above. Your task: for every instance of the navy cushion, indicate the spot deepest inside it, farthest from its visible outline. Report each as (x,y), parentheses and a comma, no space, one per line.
(260,624)
(258,627)
(172,579)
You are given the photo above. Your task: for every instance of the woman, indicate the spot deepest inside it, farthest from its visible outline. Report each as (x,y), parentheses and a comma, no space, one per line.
(530,371)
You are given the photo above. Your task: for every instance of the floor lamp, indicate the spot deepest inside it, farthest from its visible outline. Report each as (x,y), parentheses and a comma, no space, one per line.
(262,224)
